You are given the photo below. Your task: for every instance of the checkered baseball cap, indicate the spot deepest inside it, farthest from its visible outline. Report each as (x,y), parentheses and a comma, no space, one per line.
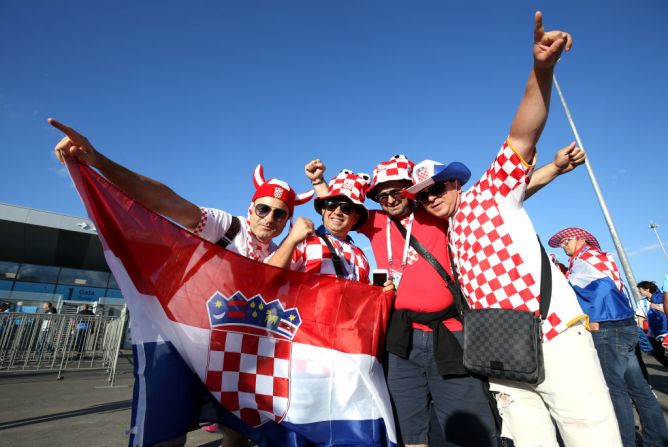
(396,168)
(428,172)
(351,186)
(556,240)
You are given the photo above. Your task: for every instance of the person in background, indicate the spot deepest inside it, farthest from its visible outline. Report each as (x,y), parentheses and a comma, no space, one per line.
(595,278)
(657,322)
(83,326)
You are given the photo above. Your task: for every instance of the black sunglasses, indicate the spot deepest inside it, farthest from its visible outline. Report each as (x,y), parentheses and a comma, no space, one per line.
(262,210)
(396,194)
(346,207)
(436,190)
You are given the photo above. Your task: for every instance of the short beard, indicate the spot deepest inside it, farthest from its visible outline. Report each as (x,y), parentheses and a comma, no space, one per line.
(399,213)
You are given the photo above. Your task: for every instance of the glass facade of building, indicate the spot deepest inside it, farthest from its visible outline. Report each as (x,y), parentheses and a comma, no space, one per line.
(17,280)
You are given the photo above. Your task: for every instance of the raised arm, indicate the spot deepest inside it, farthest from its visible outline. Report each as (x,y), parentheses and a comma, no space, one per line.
(152,194)
(314,170)
(565,160)
(531,114)
(302,229)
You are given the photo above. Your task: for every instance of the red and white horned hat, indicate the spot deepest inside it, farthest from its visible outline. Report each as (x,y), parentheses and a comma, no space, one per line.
(396,168)
(278,190)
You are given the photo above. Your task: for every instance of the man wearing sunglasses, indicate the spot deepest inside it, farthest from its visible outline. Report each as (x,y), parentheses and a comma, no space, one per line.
(271,205)
(252,236)
(415,383)
(498,258)
(595,278)
(342,209)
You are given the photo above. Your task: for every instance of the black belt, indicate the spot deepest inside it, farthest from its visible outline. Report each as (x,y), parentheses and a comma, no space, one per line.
(618,323)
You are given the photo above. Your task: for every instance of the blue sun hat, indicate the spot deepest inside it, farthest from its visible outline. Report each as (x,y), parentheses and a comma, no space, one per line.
(428,172)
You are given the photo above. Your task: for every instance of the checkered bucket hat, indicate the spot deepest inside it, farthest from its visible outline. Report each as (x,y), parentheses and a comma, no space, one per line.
(567,233)
(396,168)
(351,186)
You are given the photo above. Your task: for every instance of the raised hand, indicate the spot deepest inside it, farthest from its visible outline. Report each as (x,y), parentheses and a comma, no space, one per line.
(74,146)
(301,229)
(314,169)
(548,45)
(569,158)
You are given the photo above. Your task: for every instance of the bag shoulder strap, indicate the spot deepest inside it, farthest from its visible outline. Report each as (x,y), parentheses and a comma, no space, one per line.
(336,259)
(545,282)
(231,232)
(426,254)
(452,284)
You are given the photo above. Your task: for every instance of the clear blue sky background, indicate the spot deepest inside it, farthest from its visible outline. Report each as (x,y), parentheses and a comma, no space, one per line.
(195,94)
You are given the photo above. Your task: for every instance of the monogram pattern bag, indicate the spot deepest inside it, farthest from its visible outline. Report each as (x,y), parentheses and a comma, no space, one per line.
(507,343)
(498,343)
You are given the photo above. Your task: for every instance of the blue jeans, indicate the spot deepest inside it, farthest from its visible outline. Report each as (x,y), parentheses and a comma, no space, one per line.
(615,344)
(461,403)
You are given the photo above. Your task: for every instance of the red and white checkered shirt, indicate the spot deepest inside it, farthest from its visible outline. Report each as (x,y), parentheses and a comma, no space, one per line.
(313,255)
(604,263)
(496,249)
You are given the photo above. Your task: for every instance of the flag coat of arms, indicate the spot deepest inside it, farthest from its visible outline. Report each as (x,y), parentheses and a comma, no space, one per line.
(287,358)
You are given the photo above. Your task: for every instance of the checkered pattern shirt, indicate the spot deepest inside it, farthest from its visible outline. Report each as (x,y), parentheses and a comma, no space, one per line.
(604,263)
(313,255)
(213,225)
(496,249)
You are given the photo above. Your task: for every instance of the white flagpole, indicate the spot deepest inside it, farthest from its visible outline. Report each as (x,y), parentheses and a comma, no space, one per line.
(608,219)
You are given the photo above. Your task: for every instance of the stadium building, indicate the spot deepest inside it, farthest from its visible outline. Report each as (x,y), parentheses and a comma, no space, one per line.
(47,256)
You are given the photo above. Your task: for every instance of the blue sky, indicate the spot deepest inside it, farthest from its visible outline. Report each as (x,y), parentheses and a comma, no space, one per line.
(195,94)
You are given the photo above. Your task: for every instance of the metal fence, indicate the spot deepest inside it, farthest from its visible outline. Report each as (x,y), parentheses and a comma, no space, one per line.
(53,342)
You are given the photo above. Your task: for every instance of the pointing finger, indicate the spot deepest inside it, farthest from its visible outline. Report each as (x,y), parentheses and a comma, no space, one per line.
(538,27)
(71,133)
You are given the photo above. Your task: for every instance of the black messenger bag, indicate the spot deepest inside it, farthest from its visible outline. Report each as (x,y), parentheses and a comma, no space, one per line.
(507,343)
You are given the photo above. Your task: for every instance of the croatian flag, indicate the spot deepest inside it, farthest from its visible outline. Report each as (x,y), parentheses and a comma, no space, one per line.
(286,358)
(598,285)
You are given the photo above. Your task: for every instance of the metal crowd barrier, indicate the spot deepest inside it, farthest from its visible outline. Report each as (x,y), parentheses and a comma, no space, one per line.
(52,342)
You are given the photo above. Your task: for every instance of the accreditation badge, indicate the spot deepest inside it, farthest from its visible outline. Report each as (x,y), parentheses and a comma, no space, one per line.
(396,277)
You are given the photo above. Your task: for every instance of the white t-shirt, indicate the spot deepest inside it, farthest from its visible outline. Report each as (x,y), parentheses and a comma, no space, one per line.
(213,225)
(642,308)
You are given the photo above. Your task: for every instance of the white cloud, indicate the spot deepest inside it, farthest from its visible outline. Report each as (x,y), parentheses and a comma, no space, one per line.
(644,249)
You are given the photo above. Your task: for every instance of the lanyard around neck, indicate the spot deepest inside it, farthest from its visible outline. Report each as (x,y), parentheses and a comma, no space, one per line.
(344,268)
(404,258)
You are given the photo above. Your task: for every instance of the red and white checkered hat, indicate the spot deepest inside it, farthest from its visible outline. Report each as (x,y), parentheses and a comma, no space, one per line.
(396,168)
(351,186)
(556,240)
(279,190)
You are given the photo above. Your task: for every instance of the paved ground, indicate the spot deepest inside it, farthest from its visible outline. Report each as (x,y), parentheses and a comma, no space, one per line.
(82,410)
